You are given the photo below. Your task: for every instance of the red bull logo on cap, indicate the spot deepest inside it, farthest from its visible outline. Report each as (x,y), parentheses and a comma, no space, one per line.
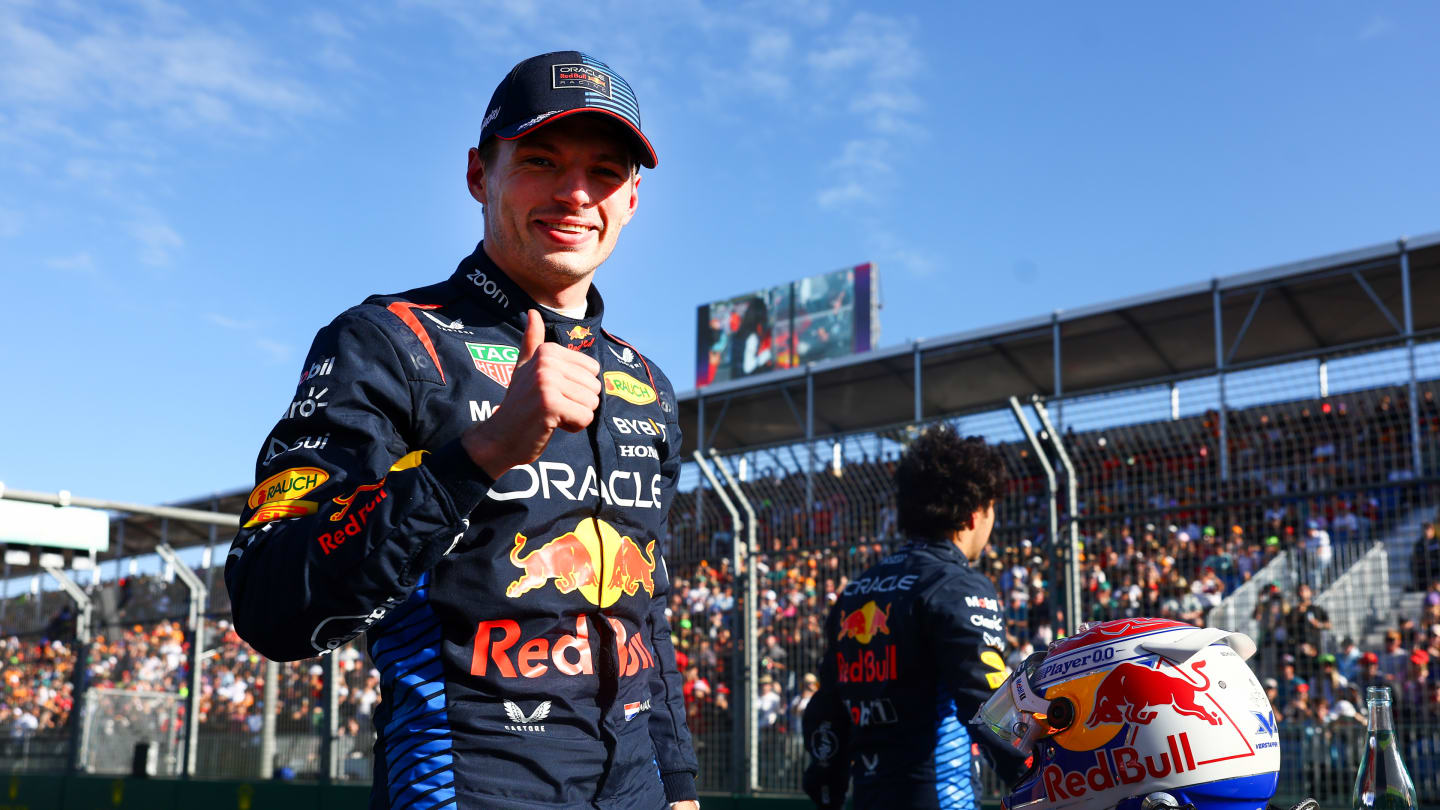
(593,560)
(866,623)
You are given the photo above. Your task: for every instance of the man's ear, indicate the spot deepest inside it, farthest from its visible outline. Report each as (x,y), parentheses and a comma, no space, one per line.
(634,199)
(475,176)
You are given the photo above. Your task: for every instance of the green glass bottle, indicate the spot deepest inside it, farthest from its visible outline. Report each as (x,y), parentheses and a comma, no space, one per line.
(1383,782)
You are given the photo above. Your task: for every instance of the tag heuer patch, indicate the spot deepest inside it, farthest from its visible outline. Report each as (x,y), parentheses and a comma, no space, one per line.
(495,361)
(592,79)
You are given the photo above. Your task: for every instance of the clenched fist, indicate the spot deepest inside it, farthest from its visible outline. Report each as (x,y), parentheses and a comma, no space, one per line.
(553,388)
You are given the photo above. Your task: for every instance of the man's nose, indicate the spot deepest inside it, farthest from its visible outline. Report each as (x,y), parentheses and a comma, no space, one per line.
(572,187)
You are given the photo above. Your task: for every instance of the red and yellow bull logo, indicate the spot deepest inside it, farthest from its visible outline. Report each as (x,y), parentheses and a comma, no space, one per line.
(593,560)
(578,332)
(1129,693)
(330,541)
(871,665)
(1136,688)
(865,623)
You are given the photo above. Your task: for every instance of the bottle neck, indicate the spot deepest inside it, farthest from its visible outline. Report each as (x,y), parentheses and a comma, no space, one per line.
(1380,719)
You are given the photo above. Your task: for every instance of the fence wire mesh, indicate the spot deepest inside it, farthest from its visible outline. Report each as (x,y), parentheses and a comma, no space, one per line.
(1295,503)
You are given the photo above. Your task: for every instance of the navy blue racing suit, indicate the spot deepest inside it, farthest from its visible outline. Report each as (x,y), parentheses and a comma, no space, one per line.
(518,624)
(914,646)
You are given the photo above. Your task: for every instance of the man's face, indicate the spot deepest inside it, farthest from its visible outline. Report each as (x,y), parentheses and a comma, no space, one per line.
(556,199)
(983,521)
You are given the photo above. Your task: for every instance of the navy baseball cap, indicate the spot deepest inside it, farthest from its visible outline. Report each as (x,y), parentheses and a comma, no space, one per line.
(550,86)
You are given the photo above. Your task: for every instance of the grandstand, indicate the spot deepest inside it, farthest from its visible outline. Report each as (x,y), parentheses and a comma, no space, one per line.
(1253,452)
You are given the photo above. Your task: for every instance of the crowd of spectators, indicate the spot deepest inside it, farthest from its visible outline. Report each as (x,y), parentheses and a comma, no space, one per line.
(1161,533)
(155,658)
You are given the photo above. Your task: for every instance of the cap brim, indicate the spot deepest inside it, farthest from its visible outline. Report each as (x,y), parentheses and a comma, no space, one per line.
(646,151)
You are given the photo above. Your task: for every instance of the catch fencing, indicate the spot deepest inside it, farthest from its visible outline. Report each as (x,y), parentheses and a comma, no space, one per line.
(1288,502)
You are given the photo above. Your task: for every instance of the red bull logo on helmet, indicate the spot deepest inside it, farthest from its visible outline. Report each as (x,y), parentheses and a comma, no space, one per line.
(866,623)
(593,560)
(1131,693)
(1122,766)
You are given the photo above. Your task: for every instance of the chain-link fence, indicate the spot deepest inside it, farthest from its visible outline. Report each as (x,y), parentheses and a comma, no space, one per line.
(1305,526)
(1294,503)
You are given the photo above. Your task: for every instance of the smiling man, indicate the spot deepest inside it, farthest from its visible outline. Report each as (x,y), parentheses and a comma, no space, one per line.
(476,474)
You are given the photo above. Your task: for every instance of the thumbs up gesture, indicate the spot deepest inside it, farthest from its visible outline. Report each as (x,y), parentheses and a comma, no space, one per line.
(553,388)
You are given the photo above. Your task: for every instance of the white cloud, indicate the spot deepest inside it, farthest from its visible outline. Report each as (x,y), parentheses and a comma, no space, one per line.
(891,252)
(157,242)
(877,60)
(105,95)
(82,262)
(12,222)
(329,25)
(278,352)
(227,322)
(805,12)
(1376,28)
(159,61)
(766,66)
(845,194)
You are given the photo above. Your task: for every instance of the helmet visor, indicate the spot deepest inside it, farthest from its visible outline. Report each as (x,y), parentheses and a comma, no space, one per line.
(1011,712)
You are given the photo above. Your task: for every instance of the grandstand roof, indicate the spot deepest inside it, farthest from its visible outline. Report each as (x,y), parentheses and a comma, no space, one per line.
(1326,306)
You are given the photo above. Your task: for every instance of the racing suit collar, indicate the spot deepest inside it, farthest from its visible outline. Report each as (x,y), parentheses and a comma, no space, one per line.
(943,549)
(481,279)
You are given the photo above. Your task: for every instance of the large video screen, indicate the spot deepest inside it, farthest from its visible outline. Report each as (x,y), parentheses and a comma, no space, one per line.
(830,315)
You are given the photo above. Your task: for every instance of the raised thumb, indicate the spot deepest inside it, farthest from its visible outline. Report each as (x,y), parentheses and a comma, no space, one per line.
(534,336)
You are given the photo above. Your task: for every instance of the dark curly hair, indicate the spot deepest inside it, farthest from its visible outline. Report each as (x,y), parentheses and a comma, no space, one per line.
(942,480)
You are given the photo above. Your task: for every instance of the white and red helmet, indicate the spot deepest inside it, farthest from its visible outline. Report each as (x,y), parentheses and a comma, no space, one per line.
(1131,707)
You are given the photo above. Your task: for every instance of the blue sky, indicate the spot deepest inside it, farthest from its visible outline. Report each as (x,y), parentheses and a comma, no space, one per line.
(188,191)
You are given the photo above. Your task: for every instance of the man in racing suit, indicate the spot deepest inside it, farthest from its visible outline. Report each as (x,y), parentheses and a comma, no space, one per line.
(477,474)
(915,645)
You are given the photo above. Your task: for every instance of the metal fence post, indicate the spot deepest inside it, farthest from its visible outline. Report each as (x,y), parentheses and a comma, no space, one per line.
(80,676)
(1220,375)
(1414,397)
(809,454)
(329,750)
(1071,557)
(700,446)
(1059,379)
(267,722)
(214,538)
(198,596)
(743,721)
(919,382)
(752,658)
(1044,459)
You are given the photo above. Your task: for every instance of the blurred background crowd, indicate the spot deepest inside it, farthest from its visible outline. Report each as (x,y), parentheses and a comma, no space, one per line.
(1315,492)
